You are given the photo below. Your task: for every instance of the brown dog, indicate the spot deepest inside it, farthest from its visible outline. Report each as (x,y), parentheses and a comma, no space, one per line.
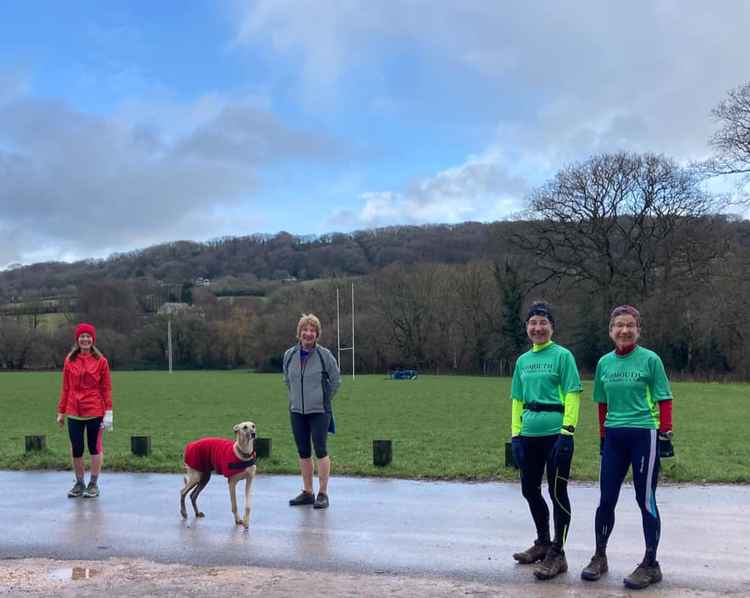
(235,460)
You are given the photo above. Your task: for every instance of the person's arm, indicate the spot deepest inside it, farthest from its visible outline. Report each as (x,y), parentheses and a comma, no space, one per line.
(285,366)
(334,376)
(105,385)
(572,409)
(62,404)
(602,418)
(665,416)
(515,418)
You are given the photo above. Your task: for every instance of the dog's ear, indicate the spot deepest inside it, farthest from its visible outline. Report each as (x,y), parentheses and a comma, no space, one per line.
(236,428)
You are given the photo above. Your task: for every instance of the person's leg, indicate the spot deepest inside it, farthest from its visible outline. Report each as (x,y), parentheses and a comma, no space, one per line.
(558,472)
(532,471)
(94,433)
(301,431)
(319,423)
(614,466)
(645,475)
(75,433)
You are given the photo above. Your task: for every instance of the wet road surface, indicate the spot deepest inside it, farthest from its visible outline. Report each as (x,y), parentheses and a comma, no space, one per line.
(392,527)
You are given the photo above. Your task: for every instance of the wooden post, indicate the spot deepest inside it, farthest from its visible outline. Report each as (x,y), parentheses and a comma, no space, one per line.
(509,460)
(36,443)
(140,445)
(262,448)
(382,452)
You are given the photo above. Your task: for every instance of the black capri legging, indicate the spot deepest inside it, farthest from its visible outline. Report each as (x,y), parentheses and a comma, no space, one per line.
(307,426)
(92,427)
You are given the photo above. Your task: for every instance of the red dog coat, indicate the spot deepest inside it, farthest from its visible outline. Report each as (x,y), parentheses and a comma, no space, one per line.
(216,454)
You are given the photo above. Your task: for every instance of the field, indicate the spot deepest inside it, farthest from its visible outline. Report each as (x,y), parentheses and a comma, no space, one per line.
(441,427)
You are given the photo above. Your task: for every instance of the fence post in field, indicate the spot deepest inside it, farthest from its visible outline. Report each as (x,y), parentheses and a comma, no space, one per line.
(382,452)
(262,448)
(140,446)
(35,443)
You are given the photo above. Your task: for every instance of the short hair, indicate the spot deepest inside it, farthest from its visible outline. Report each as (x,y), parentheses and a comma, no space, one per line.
(541,308)
(625,310)
(311,320)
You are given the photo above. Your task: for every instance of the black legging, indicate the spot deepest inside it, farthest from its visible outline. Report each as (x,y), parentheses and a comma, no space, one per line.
(307,426)
(75,432)
(537,454)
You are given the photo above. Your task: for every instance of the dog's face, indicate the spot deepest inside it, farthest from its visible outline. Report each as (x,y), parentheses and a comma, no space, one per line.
(244,433)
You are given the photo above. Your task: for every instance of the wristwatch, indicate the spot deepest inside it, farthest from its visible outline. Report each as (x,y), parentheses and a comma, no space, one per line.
(570,429)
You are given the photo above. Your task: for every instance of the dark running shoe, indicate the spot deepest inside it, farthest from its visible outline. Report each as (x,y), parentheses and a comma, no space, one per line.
(643,576)
(596,568)
(321,502)
(92,490)
(303,498)
(553,564)
(533,554)
(76,490)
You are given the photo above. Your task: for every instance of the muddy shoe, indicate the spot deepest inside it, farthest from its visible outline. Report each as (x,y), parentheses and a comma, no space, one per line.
(76,490)
(553,564)
(643,576)
(92,490)
(533,554)
(321,502)
(596,568)
(303,498)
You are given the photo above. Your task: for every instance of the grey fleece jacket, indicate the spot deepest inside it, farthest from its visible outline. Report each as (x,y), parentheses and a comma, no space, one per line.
(306,386)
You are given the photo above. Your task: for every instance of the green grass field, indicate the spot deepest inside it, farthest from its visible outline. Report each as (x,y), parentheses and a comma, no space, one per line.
(441,427)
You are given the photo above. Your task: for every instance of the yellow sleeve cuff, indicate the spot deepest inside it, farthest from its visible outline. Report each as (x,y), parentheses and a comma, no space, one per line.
(572,406)
(515,418)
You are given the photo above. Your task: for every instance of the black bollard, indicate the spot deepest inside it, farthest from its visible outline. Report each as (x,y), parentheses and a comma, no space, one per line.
(509,460)
(140,446)
(36,443)
(262,448)
(382,452)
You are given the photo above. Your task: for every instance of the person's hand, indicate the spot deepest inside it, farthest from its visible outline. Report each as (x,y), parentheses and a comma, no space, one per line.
(108,422)
(563,449)
(61,420)
(516,448)
(666,449)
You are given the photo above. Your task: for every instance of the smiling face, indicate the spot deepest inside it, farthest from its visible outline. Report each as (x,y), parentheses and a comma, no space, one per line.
(624,331)
(308,335)
(539,329)
(85,342)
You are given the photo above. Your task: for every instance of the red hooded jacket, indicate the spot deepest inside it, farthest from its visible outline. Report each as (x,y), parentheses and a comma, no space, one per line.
(86,387)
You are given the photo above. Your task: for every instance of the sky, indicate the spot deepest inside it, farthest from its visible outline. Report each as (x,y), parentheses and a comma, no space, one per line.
(128,124)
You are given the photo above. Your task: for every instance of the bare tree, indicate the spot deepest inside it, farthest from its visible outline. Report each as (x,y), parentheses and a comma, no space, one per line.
(611,223)
(732,140)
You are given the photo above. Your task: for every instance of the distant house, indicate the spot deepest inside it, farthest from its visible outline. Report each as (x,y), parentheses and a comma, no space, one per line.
(171,308)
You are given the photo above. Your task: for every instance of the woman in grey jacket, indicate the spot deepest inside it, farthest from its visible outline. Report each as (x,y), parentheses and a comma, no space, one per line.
(311,375)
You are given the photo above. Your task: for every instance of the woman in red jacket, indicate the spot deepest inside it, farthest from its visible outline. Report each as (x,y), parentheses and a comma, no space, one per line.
(86,399)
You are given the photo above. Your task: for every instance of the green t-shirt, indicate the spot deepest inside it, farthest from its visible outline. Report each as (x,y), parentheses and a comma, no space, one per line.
(631,385)
(544,375)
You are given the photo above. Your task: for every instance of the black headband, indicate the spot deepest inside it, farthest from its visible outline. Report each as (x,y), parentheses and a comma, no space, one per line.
(541,309)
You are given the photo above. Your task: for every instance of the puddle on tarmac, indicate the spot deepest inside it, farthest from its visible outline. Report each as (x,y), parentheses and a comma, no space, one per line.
(74,573)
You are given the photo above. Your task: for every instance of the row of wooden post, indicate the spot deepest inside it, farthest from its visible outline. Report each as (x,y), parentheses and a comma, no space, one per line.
(382,450)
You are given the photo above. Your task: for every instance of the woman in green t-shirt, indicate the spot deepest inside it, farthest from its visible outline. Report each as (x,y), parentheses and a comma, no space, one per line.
(635,418)
(546,392)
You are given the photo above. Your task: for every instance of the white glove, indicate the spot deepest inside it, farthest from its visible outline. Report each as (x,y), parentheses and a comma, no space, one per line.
(108,422)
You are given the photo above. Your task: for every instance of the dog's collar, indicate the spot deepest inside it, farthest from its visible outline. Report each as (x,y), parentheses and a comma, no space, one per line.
(244,455)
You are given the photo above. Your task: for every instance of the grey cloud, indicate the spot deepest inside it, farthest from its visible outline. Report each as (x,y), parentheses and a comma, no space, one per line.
(91,185)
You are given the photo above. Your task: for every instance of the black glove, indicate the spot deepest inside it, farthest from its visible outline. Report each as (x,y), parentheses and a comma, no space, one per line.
(601,446)
(516,449)
(666,449)
(563,449)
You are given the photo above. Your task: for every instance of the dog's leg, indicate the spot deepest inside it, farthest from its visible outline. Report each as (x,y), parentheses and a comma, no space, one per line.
(205,477)
(190,481)
(248,499)
(233,497)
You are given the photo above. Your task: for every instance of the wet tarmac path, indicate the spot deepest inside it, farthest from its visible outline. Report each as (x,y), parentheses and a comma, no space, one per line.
(374,526)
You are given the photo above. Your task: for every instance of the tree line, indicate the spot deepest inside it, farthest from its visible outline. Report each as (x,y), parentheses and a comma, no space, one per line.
(615,228)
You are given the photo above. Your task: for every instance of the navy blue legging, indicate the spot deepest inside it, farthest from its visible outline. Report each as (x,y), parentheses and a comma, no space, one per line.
(93,429)
(624,447)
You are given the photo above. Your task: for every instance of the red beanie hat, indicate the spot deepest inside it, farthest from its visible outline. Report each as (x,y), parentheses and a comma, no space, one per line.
(86,328)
